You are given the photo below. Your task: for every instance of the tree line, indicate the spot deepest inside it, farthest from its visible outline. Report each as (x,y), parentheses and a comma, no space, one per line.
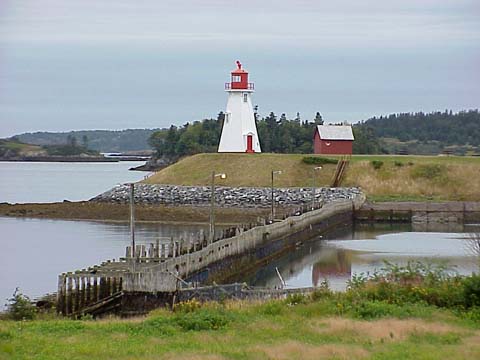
(446,127)
(276,134)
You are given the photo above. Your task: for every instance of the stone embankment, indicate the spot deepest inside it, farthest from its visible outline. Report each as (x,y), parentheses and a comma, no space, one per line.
(224,196)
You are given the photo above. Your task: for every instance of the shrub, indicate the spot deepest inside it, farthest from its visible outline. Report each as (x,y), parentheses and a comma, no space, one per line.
(316,160)
(471,291)
(429,171)
(295,299)
(377,164)
(374,310)
(272,308)
(203,319)
(20,307)
(322,292)
(398,163)
(188,306)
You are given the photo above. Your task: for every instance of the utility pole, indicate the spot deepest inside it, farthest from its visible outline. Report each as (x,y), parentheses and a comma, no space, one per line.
(313,185)
(272,211)
(211,234)
(132,223)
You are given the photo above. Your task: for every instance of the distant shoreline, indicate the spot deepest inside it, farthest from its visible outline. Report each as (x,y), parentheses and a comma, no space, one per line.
(79,159)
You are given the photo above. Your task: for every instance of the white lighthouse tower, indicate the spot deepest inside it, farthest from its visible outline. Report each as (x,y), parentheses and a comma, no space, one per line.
(239,132)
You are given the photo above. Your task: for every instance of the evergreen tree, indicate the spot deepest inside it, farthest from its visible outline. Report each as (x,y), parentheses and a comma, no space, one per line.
(318,119)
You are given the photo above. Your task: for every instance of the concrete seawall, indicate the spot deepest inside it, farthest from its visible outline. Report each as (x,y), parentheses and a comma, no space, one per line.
(152,280)
(418,213)
(163,277)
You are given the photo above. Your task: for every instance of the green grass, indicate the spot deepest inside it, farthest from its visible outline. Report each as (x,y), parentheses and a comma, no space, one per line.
(420,312)
(416,178)
(237,330)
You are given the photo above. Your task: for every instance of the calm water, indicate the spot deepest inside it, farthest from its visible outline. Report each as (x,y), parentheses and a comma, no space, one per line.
(35,251)
(363,250)
(28,182)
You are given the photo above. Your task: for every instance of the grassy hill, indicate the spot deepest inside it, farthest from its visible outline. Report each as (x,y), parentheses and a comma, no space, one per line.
(100,140)
(17,148)
(381,177)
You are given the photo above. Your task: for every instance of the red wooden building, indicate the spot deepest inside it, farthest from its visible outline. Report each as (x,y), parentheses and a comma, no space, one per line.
(333,139)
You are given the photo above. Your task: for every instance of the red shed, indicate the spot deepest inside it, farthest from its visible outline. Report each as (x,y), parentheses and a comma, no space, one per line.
(333,139)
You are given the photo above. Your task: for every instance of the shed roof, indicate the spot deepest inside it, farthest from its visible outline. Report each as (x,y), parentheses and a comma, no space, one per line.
(335,132)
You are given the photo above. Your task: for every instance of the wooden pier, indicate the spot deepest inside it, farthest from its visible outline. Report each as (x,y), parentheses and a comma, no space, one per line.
(161,267)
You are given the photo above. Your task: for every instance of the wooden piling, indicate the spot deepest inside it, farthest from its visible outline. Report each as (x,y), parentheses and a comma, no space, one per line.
(95,295)
(69,299)
(81,301)
(77,294)
(61,294)
(88,299)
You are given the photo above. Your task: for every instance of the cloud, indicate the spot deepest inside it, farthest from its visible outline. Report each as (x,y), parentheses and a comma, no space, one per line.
(266,23)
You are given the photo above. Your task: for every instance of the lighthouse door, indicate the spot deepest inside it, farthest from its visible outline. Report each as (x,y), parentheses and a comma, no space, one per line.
(250,144)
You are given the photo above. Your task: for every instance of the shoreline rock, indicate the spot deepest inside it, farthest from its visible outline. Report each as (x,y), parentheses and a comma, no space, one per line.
(224,196)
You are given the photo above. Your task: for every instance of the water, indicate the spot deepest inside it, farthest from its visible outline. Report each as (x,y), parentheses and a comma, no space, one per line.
(38,182)
(363,250)
(35,251)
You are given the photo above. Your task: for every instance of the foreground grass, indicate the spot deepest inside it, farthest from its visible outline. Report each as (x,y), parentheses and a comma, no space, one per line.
(415,311)
(318,329)
(399,177)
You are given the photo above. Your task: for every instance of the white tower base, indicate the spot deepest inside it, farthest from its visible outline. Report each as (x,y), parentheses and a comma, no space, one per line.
(239,131)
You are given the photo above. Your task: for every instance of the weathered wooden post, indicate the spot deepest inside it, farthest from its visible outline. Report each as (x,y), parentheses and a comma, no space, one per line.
(96,295)
(88,300)
(81,303)
(61,294)
(101,287)
(69,299)
(114,285)
(109,287)
(163,251)
(77,293)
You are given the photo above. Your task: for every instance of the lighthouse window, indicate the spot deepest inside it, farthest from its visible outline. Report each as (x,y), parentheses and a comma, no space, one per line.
(245,97)
(236,78)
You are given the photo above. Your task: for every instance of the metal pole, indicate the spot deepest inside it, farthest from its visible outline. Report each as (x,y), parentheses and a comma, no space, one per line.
(211,234)
(132,222)
(272,214)
(313,189)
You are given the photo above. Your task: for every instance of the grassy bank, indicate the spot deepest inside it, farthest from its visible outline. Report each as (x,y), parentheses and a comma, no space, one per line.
(381,177)
(120,212)
(409,313)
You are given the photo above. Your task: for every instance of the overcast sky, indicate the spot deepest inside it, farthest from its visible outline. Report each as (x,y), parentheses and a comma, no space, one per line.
(114,64)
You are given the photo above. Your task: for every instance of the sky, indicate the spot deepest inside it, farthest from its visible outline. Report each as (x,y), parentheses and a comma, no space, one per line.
(116,64)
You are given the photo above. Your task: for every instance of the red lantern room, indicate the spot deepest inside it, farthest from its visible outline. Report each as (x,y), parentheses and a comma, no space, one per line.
(239,79)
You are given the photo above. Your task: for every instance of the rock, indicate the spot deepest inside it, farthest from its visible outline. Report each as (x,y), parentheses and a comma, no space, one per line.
(224,196)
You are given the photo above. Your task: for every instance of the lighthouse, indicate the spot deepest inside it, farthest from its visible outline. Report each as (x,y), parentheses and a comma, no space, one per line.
(239,131)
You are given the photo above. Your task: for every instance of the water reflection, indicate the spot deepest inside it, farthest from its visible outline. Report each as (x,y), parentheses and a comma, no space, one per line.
(35,251)
(365,249)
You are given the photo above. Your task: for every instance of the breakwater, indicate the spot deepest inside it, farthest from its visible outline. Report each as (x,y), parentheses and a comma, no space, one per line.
(224,196)
(151,277)
(421,213)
